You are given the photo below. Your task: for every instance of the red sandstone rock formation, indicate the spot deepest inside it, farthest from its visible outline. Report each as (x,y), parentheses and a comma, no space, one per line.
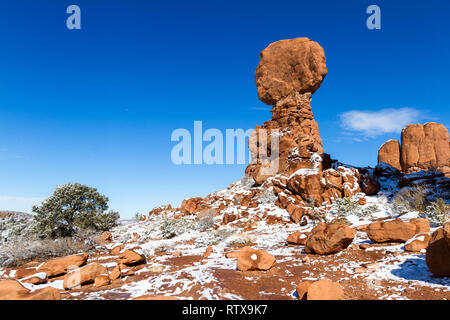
(422,147)
(289,72)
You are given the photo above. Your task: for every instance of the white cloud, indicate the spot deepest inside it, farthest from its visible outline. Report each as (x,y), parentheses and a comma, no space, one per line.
(23,204)
(374,123)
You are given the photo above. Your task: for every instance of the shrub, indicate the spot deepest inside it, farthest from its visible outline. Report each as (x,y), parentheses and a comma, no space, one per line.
(22,251)
(346,206)
(437,212)
(212,237)
(71,208)
(205,220)
(174,227)
(410,199)
(242,238)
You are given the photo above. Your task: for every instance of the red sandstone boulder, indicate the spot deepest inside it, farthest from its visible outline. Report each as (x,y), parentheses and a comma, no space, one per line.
(193,205)
(101,281)
(289,66)
(47,293)
(298,238)
(227,218)
(130,257)
(331,238)
(418,243)
(84,275)
(36,278)
(59,266)
(13,290)
(116,250)
(296,212)
(396,230)
(319,290)
(106,237)
(251,259)
(438,252)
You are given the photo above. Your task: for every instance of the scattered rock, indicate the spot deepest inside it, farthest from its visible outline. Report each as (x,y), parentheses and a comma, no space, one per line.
(251,259)
(101,281)
(84,275)
(396,230)
(36,278)
(106,237)
(319,290)
(130,257)
(13,290)
(60,266)
(227,218)
(331,238)
(298,238)
(208,252)
(438,252)
(116,250)
(418,243)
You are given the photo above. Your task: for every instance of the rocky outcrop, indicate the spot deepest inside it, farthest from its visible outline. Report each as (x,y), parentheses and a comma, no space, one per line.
(329,238)
(396,230)
(390,153)
(193,205)
(438,252)
(423,147)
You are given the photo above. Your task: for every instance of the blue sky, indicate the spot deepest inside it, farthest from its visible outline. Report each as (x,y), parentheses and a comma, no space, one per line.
(98,105)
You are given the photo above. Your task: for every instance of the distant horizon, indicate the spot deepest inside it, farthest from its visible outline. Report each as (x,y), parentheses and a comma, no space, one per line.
(98,105)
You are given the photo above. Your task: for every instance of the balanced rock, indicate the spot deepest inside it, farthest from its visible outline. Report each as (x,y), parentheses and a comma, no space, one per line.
(60,266)
(289,66)
(251,259)
(329,238)
(396,230)
(438,252)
